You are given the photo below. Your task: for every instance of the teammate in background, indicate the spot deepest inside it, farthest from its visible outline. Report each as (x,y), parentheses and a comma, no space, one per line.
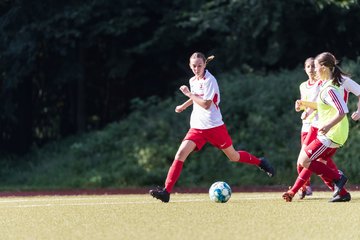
(308,92)
(347,86)
(332,133)
(206,125)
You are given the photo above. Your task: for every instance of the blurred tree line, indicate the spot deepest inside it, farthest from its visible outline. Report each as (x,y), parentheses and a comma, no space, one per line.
(72,66)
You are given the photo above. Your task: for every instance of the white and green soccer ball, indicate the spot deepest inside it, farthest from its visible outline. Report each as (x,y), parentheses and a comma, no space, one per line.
(220,192)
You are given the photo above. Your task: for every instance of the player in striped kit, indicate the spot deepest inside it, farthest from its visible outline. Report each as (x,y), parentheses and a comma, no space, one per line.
(206,125)
(332,131)
(347,86)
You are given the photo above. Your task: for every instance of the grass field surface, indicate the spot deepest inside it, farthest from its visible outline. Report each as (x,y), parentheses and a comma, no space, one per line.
(186,216)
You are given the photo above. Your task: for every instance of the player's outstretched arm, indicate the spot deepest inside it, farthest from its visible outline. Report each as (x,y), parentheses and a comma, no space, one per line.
(308,104)
(183,106)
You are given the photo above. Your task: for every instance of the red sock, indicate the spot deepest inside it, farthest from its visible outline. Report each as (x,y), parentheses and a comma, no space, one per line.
(343,191)
(324,171)
(328,183)
(331,164)
(173,174)
(299,169)
(246,157)
(304,176)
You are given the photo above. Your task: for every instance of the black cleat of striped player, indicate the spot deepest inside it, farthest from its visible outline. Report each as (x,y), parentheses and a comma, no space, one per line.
(344,198)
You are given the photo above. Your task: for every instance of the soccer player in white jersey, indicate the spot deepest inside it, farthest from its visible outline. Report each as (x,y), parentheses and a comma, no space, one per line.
(206,125)
(308,92)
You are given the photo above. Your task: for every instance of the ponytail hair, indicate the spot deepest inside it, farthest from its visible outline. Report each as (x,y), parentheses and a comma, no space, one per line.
(202,56)
(209,58)
(328,60)
(338,75)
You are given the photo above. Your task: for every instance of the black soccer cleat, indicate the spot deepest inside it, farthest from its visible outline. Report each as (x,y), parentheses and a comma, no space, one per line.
(266,167)
(339,184)
(338,198)
(160,193)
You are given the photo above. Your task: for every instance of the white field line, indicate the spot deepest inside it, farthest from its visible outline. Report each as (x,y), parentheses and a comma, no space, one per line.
(50,199)
(104,201)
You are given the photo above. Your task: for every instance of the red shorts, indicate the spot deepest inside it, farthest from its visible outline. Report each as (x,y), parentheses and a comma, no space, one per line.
(317,149)
(311,136)
(217,136)
(303,137)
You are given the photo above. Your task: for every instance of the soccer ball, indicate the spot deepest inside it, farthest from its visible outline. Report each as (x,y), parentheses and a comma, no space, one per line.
(220,192)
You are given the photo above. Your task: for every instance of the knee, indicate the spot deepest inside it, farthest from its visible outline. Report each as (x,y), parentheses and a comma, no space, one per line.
(304,160)
(180,155)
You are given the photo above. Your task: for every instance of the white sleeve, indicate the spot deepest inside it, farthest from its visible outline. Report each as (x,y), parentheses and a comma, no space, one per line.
(302,91)
(210,89)
(351,86)
(334,99)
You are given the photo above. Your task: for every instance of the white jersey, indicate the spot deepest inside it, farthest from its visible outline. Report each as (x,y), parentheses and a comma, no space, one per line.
(309,92)
(349,86)
(208,89)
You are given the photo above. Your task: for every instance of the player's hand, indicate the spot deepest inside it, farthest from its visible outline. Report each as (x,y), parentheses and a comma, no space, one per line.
(355,116)
(185,90)
(323,130)
(298,106)
(179,109)
(304,115)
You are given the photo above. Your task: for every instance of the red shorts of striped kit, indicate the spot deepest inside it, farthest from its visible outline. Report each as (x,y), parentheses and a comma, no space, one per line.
(317,149)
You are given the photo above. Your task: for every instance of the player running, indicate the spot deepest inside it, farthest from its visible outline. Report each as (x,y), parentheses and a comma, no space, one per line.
(333,129)
(206,125)
(347,86)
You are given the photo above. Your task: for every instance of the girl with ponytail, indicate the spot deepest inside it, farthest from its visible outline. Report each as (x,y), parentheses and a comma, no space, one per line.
(206,126)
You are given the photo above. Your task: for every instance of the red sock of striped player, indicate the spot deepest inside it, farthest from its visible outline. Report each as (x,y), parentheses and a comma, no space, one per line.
(304,176)
(173,175)
(328,183)
(322,170)
(330,163)
(248,158)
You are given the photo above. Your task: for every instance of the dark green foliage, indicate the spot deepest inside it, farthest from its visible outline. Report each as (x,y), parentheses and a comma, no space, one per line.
(137,151)
(72,66)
